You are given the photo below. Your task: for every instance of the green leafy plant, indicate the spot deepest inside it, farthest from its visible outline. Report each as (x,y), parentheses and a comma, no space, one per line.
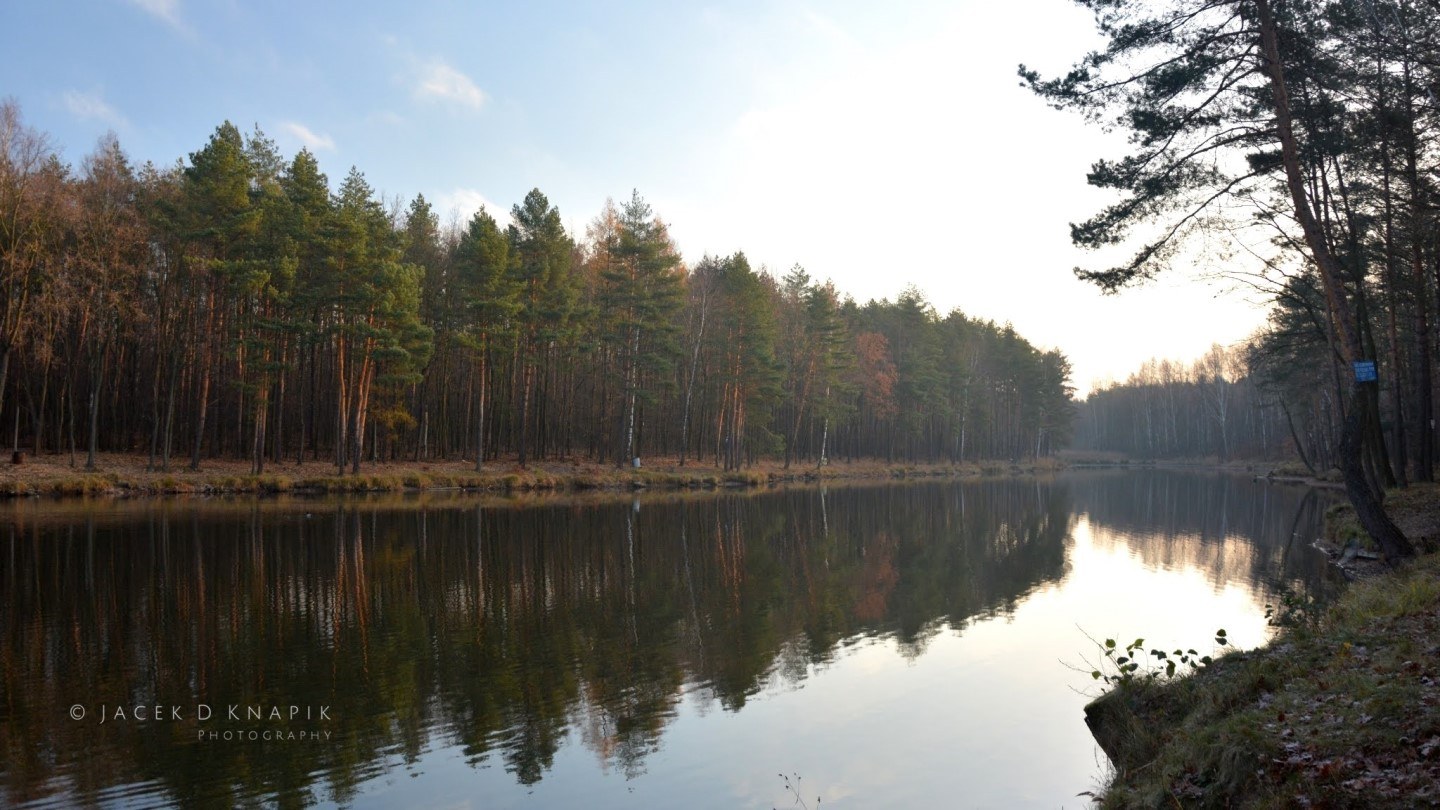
(1302,610)
(1120,665)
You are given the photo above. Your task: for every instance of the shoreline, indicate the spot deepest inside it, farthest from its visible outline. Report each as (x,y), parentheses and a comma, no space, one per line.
(1340,708)
(125,476)
(119,475)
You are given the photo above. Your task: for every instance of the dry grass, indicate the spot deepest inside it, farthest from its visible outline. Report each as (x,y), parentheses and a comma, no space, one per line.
(118,474)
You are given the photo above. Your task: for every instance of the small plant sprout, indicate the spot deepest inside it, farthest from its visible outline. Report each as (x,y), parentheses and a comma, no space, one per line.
(1295,610)
(793,788)
(1121,665)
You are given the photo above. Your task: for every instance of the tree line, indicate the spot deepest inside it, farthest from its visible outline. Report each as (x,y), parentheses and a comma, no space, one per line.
(1213,407)
(235,305)
(1301,135)
(1276,395)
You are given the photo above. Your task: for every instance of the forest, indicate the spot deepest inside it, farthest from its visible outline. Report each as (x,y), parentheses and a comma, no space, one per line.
(237,305)
(1209,408)
(1293,146)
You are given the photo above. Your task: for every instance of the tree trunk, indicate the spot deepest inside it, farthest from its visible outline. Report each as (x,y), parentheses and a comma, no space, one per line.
(204,404)
(527,377)
(155,415)
(631,383)
(278,453)
(1424,405)
(4,372)
(169,415)
(96,382)
(257,447)
(1392,282)
(362,408)
(480,409)
(1366,501)
(342,406)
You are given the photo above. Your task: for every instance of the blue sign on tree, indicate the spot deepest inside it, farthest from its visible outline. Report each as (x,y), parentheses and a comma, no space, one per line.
(1365,371)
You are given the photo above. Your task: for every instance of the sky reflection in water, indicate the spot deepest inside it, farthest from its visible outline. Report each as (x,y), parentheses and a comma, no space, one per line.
(911,645)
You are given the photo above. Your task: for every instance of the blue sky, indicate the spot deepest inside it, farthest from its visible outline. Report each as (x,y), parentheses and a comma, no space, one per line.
(876,144)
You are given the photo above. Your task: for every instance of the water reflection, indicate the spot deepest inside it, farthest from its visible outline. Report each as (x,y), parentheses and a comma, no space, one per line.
(503,633)
(1233,528)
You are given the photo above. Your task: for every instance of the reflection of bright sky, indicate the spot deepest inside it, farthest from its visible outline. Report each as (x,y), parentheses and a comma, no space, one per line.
(987,717)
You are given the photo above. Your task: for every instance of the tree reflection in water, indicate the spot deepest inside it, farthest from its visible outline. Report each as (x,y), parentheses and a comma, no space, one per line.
(503,628)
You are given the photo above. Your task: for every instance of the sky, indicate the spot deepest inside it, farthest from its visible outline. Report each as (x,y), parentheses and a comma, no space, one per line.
(878,145)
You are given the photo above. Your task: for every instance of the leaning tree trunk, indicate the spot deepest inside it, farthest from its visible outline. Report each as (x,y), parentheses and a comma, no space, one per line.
(1368,508)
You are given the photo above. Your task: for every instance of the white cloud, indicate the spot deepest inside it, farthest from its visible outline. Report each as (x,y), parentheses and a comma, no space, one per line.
(441,82)
(828,29)
(462,203)
(166,10)
(308,137)
(90,106)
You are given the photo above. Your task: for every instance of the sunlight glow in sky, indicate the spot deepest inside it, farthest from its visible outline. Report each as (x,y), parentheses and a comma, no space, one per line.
(878,145)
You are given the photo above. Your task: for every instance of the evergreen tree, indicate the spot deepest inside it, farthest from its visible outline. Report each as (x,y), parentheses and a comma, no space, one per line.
(236,301)
(1205,90)
(309,212)
(220,224)
(489,294)
(640,293)
(547,294)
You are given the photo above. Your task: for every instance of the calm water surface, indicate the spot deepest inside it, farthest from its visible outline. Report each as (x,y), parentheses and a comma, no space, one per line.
(914,645)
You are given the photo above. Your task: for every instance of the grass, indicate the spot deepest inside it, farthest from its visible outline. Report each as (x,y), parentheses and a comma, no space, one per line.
(128,476)
(1290,469)
(1340,712)
(1342,525)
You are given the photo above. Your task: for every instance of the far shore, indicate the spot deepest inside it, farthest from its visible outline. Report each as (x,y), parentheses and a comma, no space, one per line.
(128,475)
(122,475)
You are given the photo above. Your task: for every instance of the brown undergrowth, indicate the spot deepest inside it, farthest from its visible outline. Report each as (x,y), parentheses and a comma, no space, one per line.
(127,475)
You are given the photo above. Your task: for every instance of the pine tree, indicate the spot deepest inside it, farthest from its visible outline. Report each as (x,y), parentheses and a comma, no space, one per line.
(547,297)
(309,214)
(488,291)
(220,224)
(1204,89)
(640,292)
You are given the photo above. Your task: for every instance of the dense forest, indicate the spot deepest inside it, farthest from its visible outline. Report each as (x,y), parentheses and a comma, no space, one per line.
(1212,407)
(1297,141)
(236,305)
(1253,401)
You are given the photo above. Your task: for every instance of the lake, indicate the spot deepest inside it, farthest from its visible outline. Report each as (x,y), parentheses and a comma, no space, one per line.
(899,645)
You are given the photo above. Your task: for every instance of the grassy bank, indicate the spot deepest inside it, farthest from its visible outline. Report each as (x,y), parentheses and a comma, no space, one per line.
(120,475)
(1342,709)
